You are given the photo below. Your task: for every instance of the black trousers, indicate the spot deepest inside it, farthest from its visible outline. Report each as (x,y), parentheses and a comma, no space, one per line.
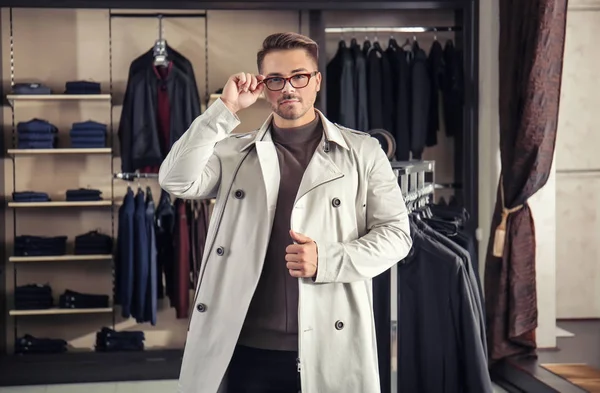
(263,371)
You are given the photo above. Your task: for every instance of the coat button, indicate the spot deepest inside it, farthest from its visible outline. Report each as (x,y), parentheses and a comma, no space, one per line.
(220,251)
(239,194)
(339,325)
(336,202)
(201,307)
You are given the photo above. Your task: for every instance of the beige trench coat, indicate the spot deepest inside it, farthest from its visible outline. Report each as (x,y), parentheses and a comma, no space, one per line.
(349,202)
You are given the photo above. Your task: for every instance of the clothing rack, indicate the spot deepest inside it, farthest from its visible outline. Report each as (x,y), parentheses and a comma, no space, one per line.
(136,175)
(403,29)
(416,180)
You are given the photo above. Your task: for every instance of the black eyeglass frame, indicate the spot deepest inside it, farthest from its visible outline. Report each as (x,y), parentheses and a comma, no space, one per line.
(309,75)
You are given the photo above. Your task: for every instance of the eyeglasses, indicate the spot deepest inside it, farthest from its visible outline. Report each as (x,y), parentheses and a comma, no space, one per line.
(298,81)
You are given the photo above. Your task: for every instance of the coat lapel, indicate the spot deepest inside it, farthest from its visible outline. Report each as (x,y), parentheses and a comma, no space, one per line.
(322,169)
(269,164)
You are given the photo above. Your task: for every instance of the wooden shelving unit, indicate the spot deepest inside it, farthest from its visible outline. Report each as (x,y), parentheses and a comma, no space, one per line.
(31,152)
(60,311)
(60,204)
(60,258)
(12,98)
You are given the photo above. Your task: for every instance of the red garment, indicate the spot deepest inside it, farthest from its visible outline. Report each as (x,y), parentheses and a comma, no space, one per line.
(181,295)
(163,113)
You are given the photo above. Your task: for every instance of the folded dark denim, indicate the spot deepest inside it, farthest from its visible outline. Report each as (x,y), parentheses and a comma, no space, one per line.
(36,126)
(36,137)
(27,245)
(72,299)
(83,134)
(31,88)
(35,145)
(83,198)
(88,139)
(89,125)
(31,344)
(83,191)
(30,196)
(87,145)
(33,288)
(38,305)
(108,333)
(74,85)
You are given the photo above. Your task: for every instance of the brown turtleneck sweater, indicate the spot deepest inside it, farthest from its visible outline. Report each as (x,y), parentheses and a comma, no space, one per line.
(272,319)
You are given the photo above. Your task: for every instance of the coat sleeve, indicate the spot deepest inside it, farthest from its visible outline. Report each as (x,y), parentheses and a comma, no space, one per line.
(388,239)
(192,170)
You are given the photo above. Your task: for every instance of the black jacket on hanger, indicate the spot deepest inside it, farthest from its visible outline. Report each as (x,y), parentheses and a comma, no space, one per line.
(139,131)
(435,64)
(360,86)
(400,66)
(440,348)
(374,82)
(453,89)
(421,93)
(340,88)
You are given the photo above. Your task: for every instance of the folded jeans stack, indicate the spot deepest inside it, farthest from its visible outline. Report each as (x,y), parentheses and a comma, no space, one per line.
(28,245)
(82,87)
(31,88)
(72,299)
(36,134)
(33,297)
(108,340)
(31,344)
(88,134)
(92,243)
(30,196)
(84,194)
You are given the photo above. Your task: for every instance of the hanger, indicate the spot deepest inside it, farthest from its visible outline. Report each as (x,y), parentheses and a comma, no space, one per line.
(160,47)
(392,43)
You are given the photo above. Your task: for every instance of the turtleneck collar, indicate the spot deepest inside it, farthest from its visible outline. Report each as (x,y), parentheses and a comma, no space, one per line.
(301,134)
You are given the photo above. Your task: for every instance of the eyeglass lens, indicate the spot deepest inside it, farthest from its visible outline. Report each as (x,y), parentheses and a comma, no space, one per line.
(297,81)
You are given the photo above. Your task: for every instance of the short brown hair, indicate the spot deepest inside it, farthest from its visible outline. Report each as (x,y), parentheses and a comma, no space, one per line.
(284,41)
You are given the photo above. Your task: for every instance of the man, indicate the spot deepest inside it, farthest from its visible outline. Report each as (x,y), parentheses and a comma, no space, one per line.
(306,214)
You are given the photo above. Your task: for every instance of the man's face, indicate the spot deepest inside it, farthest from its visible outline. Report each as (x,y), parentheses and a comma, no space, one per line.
(291,102)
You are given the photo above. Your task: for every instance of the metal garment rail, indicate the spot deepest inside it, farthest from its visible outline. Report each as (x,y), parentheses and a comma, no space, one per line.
(131,176)
(416,179)
(399,29)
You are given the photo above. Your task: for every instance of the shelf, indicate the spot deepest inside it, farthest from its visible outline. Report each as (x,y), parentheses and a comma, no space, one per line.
(12,98)
(60,204)
(23,152)
(60,311)
(60,258)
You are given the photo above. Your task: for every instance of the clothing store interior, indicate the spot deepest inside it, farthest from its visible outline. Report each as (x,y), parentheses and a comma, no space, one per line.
(101,266)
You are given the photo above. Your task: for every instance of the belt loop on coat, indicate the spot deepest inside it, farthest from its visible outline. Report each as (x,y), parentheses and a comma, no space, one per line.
(500,235)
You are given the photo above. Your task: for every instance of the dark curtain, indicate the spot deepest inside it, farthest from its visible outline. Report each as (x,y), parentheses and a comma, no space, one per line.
(532,35)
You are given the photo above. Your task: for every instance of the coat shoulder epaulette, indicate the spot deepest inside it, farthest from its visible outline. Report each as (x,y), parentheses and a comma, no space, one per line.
(355,132)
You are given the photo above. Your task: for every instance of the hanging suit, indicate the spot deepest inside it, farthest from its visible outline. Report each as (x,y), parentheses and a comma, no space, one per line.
(125,255)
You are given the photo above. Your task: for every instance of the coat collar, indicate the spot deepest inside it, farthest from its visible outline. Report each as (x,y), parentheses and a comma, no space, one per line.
(331,131)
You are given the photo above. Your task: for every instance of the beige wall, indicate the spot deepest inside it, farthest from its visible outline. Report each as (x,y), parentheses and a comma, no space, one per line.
(577,195)
(54,46)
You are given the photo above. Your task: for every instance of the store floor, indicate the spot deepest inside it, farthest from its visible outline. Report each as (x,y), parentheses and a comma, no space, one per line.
(121,387)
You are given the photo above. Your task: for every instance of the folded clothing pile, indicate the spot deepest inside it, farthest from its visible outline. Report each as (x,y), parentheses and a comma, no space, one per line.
(36,134)
(88,134)
(82,87)
(33,297)
(93,242)
(72,299)
(31,344)
(28,245)
(108,340)
(31,88)
(30,196)
(83,194)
